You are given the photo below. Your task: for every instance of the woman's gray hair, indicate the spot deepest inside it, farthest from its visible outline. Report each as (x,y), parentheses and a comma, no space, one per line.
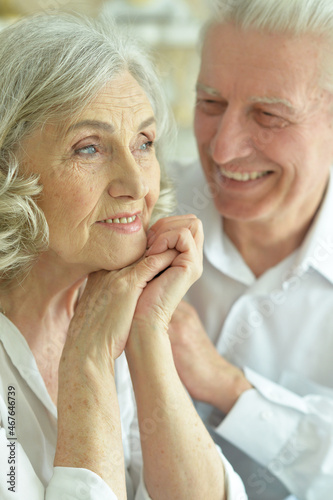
(293,18)
(51,67)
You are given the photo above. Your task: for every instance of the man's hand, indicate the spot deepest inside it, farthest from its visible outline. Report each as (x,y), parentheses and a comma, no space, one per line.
(207,376)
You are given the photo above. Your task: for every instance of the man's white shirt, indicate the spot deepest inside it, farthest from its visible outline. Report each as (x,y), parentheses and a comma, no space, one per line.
(279,330)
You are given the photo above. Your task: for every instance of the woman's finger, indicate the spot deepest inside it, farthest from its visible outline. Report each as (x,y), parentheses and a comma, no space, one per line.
(167,224)
(185,238)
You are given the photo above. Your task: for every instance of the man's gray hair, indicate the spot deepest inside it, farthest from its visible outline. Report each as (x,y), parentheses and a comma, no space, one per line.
(296,17)
(51,67)
(292,18)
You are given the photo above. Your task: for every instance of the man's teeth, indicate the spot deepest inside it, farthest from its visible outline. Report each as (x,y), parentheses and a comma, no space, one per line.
(245,176)
(122,220)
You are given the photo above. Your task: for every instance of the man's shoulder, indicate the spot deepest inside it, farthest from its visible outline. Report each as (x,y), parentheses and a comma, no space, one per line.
(192,190)
(181,173)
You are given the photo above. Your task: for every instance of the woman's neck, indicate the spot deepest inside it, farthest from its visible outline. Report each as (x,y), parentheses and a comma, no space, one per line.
(44,296)
(41,307)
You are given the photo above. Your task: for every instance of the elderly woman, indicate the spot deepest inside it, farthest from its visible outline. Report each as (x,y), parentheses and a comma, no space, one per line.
(87,290)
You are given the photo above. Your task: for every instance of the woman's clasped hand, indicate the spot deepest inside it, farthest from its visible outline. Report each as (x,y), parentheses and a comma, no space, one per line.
(142,295)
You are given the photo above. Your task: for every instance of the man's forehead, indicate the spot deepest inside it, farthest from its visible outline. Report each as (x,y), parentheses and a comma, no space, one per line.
(275,55)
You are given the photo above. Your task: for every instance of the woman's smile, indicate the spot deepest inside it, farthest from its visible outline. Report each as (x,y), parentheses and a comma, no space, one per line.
(123,223)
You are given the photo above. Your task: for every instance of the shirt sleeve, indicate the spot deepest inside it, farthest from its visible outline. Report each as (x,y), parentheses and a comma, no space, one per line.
(234,486)
(18,479)
(76,484)
(299,431)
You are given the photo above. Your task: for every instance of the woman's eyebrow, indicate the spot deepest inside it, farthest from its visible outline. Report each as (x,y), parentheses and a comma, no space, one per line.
(107,127)
(92,123)
(146,123)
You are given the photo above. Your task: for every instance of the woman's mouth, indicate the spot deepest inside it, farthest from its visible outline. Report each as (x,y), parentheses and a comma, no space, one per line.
(121,220)
(123,223)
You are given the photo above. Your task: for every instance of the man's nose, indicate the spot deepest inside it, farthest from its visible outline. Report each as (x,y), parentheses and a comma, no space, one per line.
(232,139)
(128,179)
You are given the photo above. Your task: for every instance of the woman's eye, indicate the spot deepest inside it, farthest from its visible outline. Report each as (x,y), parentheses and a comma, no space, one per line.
(146,146)
(87,150)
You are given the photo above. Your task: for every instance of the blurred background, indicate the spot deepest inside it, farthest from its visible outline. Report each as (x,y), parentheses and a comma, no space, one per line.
(170,27)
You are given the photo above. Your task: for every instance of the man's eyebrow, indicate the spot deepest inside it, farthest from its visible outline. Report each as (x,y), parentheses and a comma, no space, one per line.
(255,99)
(107,127)
(273,100)
(208,90)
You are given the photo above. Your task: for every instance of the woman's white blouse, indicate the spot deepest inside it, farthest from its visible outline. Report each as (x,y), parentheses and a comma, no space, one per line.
(28,433)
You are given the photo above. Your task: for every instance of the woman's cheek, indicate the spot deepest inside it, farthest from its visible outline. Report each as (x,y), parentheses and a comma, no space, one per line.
(154,187)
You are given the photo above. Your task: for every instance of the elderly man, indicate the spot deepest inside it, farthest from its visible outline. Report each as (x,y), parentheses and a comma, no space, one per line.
(263,377)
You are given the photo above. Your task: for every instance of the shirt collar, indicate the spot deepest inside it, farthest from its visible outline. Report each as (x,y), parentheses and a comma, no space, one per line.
(316,251)
(220,251)
(22,358)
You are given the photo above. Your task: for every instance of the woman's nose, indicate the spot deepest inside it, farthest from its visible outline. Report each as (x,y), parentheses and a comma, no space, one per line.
(232,139)
(128,179)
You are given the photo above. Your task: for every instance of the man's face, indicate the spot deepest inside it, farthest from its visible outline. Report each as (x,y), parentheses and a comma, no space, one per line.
(263,125)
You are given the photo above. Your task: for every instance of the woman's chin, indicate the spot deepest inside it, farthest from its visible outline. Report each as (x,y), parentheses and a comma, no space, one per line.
(125,260)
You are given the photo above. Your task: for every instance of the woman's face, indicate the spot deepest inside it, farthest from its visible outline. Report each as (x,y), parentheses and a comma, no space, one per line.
(100,179)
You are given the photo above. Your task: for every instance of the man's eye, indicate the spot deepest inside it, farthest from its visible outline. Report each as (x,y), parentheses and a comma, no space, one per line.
(270,120)
(87,150)
(210,106)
